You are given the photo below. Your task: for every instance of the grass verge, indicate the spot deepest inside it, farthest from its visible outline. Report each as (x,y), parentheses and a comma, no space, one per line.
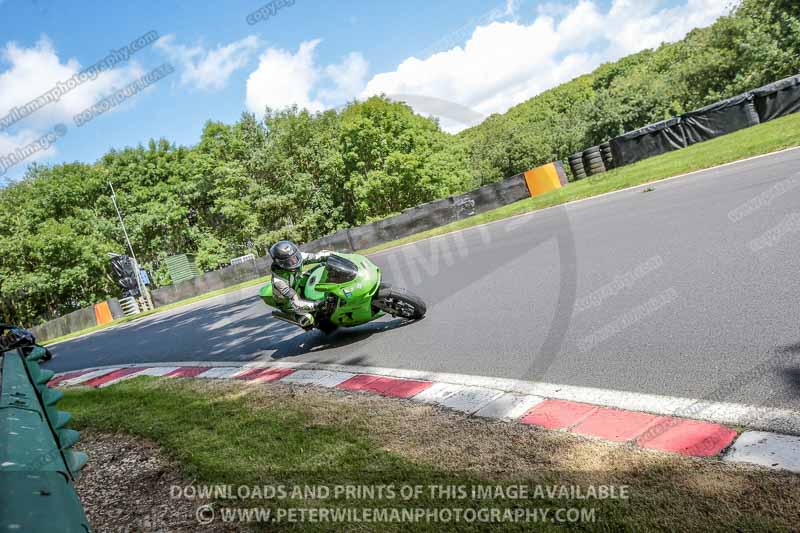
(251,435)
(758,140)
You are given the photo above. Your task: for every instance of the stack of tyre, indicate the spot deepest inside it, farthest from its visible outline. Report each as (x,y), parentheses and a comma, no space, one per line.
(593,161)
(608,158)
(576,164)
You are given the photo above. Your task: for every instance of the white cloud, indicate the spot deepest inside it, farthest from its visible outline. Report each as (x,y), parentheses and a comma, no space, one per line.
(208,69)
(504,63)
(457,36)
(487,68)
(32,72)
(348,78)
(640,24)
(284,78)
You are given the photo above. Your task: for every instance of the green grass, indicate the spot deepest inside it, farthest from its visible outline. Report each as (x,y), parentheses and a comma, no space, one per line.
(762,139)
(219,438)
(226,440)
(240,434)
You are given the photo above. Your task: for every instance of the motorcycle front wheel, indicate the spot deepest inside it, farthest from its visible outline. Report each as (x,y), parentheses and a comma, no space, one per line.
(399,302)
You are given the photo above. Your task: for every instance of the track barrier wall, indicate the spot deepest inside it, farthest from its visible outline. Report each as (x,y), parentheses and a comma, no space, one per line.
(720,118)
(437,213)
(653,139)
(778,99)
(211,281)
(74,321)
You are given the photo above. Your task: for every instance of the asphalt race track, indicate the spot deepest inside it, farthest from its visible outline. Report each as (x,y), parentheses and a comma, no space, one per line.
(667,292)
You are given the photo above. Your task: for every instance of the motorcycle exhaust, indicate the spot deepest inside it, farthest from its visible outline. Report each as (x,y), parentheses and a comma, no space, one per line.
(304,321)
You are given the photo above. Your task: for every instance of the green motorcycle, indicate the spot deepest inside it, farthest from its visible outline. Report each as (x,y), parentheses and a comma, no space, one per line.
(350,285)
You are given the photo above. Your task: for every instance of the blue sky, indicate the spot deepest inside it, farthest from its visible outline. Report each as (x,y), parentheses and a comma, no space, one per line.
(483,56)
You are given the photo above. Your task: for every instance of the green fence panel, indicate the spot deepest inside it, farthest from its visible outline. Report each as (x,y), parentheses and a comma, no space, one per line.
(37,462)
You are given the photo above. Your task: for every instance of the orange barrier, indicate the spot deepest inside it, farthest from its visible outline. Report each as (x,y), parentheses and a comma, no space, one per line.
(102,313)
(544,178)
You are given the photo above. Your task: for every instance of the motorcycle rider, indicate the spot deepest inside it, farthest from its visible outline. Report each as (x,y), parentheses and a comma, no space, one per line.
(287,265)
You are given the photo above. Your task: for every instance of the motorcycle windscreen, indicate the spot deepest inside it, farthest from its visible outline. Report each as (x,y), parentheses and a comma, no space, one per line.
(340,270)
(310,291)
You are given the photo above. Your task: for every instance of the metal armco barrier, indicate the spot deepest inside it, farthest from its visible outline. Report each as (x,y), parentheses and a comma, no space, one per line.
(37,463)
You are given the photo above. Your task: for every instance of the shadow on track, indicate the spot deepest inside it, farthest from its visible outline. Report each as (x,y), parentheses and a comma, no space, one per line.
(227,331)
(316,341)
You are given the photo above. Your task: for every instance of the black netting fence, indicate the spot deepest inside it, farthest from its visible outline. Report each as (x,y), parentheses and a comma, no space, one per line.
(778,99)
(742,111)
(719,118)
(653,139)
